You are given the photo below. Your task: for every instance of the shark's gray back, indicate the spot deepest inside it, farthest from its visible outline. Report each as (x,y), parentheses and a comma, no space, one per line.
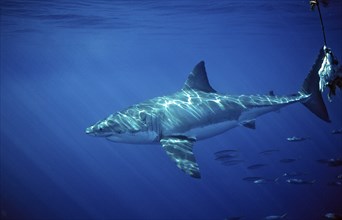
(189,109)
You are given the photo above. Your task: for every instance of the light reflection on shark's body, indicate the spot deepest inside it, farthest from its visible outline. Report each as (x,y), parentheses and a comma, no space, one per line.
(197,112)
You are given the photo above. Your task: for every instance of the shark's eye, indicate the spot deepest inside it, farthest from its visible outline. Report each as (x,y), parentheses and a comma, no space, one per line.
(142,116)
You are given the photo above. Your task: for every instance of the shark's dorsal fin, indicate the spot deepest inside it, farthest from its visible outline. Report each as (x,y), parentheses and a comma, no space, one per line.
(198,79)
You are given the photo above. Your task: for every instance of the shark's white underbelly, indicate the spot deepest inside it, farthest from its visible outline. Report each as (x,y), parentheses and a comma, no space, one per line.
(210,130)
(146,137)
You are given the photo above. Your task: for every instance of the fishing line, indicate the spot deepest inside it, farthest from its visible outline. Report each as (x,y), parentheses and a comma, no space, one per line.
(316,3)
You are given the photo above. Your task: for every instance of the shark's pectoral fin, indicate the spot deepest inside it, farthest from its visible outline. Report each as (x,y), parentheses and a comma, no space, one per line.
(180,151)
(249,124)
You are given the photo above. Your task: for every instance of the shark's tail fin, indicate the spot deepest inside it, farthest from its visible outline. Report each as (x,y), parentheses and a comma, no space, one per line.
(310,86)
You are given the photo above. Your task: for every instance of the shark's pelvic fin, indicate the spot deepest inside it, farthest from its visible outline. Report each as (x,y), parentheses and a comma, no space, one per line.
(198,79)
(180,150)
(249,124)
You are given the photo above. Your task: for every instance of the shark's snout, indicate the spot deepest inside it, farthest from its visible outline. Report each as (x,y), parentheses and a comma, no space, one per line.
(90,131)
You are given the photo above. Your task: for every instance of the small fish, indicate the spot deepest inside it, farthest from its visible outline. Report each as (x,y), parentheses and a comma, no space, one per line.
(294,174)
(334,216)
(225,156)
(267,152)
(252,178)
(262,180)
(296,139)
(256,166)
(272,217)
(337,131)
(224,151)
(258,180)
(335,162)
(336,183)
(287,160)
(331,162)
(300,181)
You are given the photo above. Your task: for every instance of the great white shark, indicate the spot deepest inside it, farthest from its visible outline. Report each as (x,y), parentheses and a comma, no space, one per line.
(197,112)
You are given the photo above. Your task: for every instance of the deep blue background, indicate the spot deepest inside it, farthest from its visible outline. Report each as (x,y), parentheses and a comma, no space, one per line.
(68,64)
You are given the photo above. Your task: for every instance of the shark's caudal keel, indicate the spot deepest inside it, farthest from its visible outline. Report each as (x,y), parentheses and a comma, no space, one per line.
(197,112)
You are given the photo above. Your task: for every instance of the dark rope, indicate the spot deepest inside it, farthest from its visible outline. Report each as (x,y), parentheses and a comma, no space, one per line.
(322,25)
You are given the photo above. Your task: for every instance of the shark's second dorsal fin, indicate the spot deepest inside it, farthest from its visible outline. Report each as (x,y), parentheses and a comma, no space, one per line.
(198,79)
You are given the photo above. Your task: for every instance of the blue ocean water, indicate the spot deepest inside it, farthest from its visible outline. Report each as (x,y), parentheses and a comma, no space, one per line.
(67,64)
